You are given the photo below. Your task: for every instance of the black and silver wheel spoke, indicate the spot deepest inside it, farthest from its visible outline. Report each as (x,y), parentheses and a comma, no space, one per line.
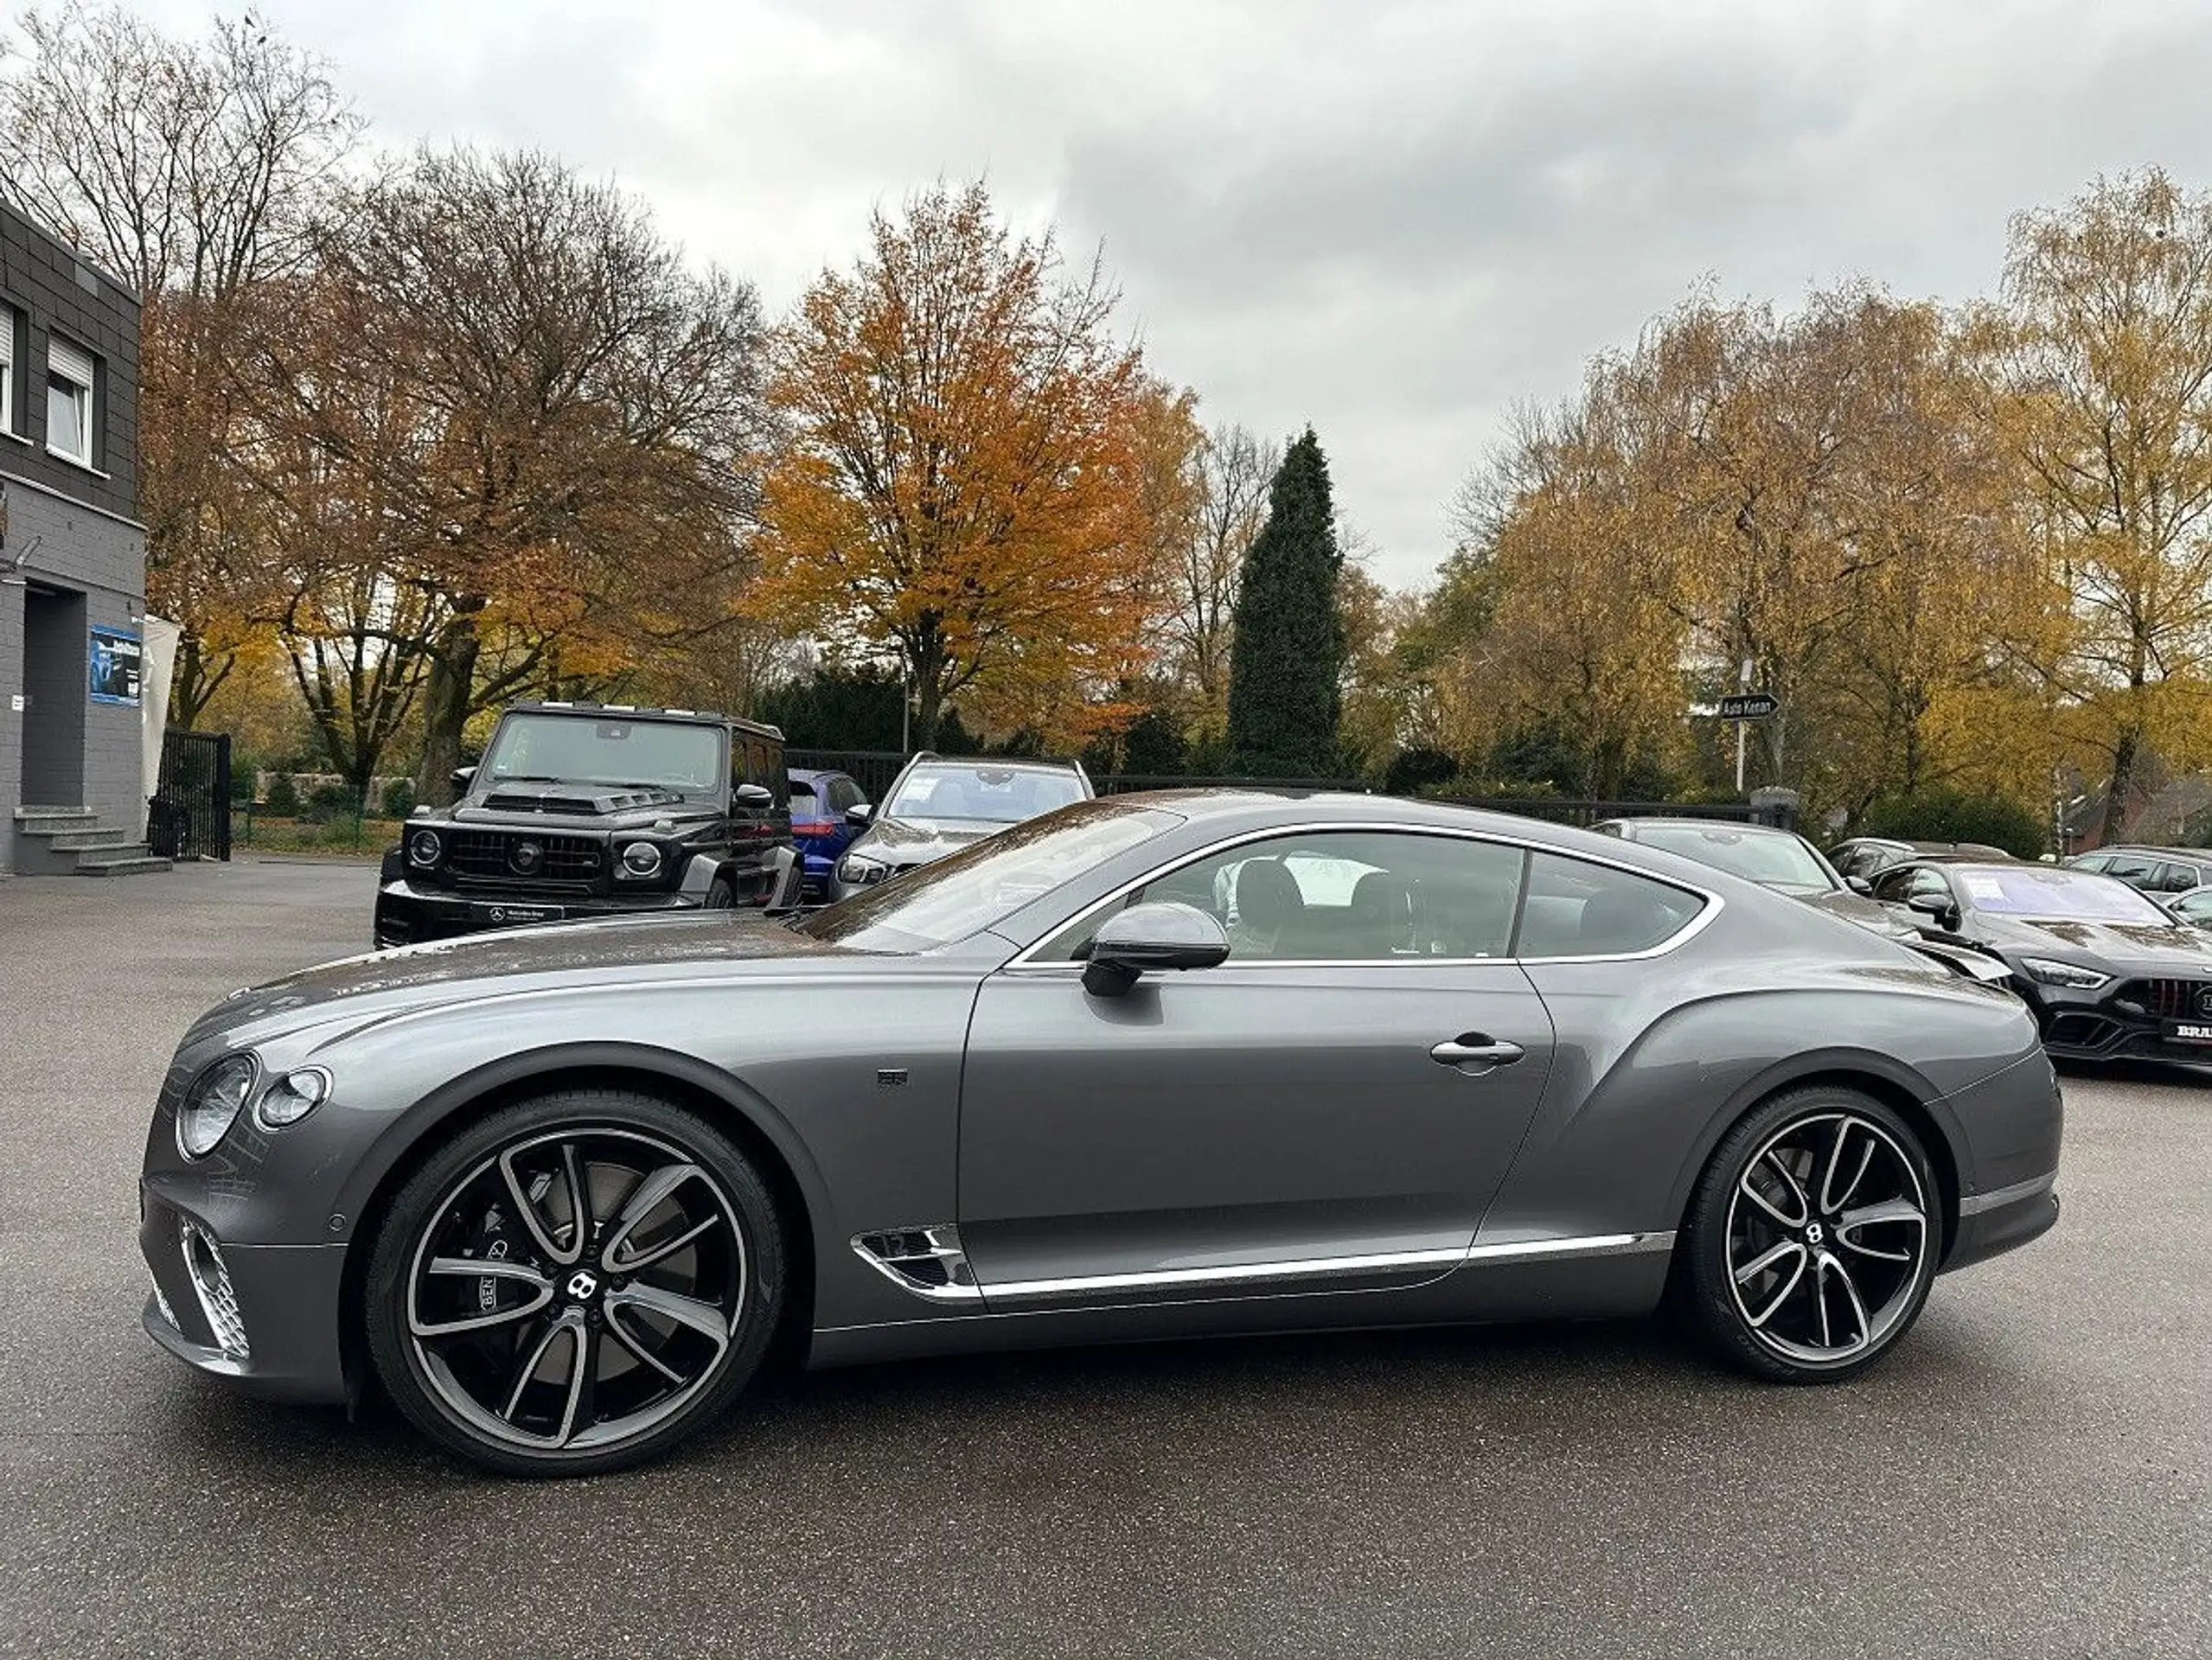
(1828,1238)
(576,1288)
(653,1194)
(482,1270)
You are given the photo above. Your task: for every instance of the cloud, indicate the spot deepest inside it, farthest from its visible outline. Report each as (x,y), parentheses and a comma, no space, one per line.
(1390,219)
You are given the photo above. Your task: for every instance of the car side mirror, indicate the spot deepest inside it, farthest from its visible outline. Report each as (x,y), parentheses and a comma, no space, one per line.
(1937,905)
(753,796)
(1858,885)
(859,813)
(463,777)
(1150,938)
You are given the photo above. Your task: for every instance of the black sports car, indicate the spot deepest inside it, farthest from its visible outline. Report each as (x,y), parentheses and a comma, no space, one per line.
(2109,974)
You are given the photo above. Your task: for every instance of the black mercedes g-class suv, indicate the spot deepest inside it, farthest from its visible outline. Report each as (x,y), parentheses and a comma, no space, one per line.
(582,809)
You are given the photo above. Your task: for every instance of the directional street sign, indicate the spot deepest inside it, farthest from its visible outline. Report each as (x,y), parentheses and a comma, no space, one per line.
(1750,706)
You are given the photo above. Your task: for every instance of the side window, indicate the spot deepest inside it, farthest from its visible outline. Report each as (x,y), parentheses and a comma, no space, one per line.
(2176,878)
(2092,861)
(1893,884)
(1353,896)
(1576,909)
(2131,869)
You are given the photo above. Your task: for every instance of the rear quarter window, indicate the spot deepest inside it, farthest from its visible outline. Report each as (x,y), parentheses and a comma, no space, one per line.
(1577,909)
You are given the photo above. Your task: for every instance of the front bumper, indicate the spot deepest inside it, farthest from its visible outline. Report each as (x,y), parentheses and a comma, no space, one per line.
(406,915)
(286,1298)
(2128,1020)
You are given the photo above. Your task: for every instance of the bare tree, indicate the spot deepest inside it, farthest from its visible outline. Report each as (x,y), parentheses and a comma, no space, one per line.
(1233,469)
(567,476)
(193,170)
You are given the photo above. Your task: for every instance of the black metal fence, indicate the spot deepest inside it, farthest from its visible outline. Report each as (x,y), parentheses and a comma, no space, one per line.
(874,770)
(189,815)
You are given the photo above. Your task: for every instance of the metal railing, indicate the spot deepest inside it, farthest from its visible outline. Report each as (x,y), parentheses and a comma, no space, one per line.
(188,816)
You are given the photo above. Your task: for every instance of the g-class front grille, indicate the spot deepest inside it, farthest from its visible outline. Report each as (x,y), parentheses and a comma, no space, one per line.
(508,856)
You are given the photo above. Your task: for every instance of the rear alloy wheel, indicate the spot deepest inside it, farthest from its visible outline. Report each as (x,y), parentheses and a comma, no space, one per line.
(575,1284)
(1813,1237)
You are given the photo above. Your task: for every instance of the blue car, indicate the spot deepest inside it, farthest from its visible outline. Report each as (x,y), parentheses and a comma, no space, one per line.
(819,802)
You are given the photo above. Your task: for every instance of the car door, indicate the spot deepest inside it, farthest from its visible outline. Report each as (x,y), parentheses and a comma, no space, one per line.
(1330,1108)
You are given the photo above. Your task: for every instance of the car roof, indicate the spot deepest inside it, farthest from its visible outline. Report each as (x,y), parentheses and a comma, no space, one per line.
(2194,855)
(996,763)
(639,712)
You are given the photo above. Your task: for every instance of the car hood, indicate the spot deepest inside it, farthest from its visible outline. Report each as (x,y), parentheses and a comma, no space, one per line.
(554,809)
(2128,948)
(917,841)
(456,970)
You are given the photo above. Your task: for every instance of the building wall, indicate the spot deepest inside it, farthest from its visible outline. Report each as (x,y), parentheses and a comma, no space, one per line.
(60,293)
(67,526)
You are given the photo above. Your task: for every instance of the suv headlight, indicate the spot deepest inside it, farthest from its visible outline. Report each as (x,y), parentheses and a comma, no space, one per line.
(213,1103)
(640,860)
(2073,974)
(860,869)
(423,849)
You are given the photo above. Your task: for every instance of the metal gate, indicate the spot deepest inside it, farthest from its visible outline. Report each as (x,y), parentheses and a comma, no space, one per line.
(189,815)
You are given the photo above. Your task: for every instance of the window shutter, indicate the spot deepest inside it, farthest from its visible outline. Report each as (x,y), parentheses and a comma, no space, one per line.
(69,362)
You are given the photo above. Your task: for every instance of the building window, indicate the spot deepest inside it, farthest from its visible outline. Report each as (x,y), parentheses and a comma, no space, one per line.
(69,382)
(7,368)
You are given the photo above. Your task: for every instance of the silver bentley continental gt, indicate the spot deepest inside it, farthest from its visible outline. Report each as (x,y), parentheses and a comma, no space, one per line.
(1146,1067)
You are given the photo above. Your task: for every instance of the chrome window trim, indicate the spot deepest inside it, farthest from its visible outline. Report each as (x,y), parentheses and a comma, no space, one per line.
(1025,960)
(1566,1248)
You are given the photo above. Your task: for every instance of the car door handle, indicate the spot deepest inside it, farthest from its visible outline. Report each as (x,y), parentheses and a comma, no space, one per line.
(1474,1049)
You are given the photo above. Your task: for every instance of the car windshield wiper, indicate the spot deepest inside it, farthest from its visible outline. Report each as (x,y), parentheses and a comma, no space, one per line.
(525,778)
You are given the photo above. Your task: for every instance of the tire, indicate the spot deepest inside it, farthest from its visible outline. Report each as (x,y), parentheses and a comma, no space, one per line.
(585,1350)
(720,896)
(1812,1237)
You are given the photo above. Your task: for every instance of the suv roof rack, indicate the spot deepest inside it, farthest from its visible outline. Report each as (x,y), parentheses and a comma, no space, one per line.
(646,711)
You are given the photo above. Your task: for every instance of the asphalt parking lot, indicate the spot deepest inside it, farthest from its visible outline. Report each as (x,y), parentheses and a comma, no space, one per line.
(2030,1474)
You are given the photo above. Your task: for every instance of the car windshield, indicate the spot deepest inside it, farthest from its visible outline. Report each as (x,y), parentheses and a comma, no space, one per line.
(952,793)
(2042,892)
(986,882)
(1773,859)
(588,750)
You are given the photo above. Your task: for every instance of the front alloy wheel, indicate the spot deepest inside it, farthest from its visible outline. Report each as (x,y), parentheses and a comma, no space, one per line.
(572,1284)
(1814,1237)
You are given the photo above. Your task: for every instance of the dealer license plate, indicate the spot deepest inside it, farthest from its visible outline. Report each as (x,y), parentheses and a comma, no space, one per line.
(506,915)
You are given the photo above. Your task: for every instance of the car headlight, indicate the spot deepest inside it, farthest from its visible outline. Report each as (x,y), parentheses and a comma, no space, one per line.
(2073,974)
(423,849)
(213,1103)
(292,1097)
(640,860)
(860,871)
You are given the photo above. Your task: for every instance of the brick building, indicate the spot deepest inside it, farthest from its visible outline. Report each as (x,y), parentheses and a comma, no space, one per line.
(72,560)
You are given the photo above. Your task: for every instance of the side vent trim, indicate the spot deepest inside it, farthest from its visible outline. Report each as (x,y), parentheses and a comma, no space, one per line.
(926,1261)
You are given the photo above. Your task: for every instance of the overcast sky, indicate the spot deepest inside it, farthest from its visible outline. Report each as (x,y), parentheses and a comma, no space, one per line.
(1391,220)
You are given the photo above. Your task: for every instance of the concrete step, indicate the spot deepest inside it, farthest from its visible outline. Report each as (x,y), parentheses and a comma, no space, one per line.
(90,840)
(138,862)
(54,820)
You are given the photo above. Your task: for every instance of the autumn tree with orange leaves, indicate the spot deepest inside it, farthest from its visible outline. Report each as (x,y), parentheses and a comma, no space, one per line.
(962,479)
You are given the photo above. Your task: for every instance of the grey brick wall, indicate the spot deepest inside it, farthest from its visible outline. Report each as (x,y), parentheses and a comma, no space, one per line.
(69,528)
(65,545)
(12,724)
(59,293)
